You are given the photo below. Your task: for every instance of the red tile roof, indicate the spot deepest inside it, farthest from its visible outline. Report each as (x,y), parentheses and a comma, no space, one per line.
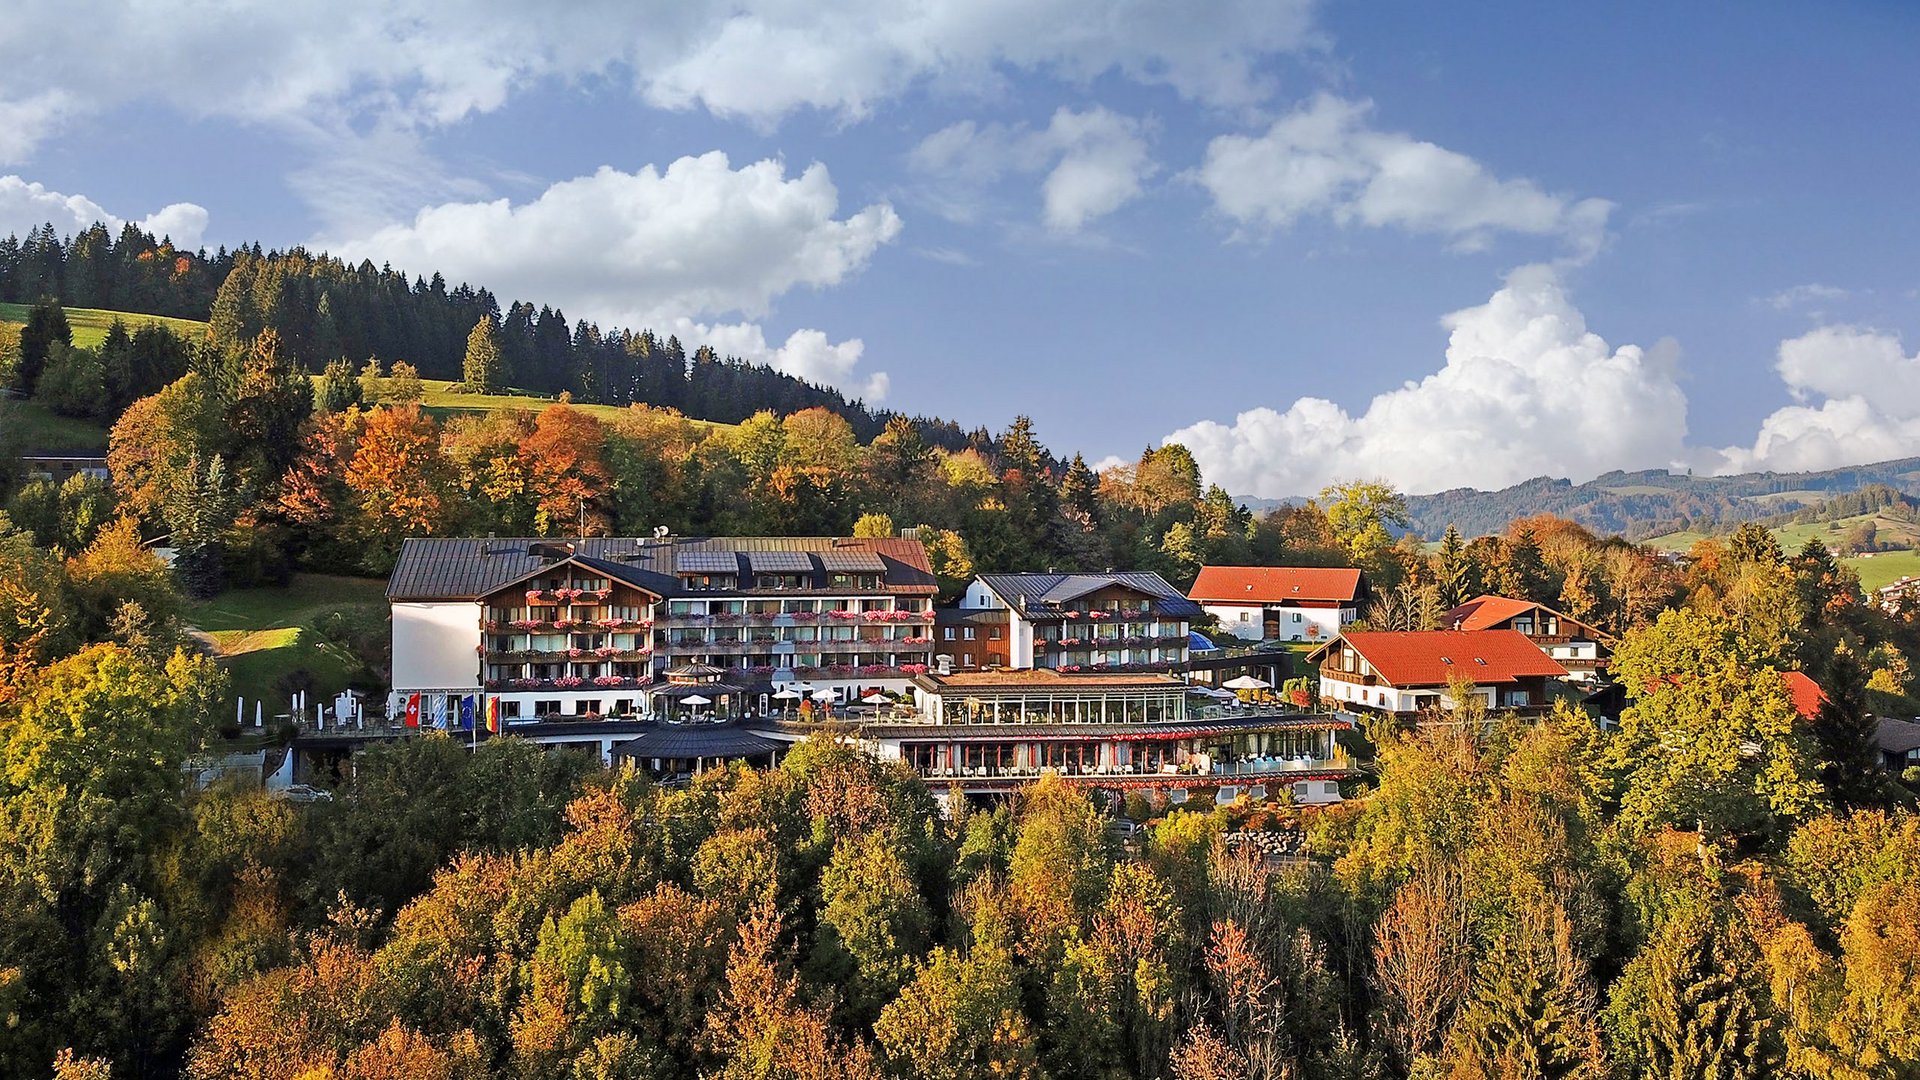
(1274,584)
(1807,695)
(1482,612)
(1432,657)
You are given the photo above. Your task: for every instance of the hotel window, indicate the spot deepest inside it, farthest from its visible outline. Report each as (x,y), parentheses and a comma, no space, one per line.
(510,709)
(994,634)
(946,633)
(546,708)
(968,632)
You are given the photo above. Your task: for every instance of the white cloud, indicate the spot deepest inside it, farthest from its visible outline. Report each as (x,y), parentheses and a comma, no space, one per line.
(1867,391)
(699,239)
(807,354)
(25,206)
(1325,159)
(660,249)
(1096,161)
(1526,390)
(1812,293)
(435,62)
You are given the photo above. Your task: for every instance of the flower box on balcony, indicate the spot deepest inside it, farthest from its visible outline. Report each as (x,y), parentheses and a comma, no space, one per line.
(844,615)
(611,680)
(804,616)
(916,641)
(726,616)
(913,669)
(569,682)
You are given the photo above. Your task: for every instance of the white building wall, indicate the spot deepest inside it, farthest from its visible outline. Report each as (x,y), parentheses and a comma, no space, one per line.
(1246,622)
(433,645)
(1020,643)
(979,596)
(1295,623)
(1388,698)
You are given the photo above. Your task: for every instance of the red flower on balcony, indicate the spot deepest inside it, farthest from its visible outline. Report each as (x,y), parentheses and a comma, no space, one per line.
(914,669)
(569,682)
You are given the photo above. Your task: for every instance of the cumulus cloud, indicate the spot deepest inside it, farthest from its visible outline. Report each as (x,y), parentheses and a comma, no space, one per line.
(700,238)
(437,62)
(25,206)
(1324,159)
(1526,390)
(1096,161)
(1858,401)
(806,354)
(660,248)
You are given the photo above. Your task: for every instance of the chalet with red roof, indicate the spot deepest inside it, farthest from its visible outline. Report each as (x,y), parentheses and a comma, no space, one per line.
(1579,647)
(1402,673)
(1281,603)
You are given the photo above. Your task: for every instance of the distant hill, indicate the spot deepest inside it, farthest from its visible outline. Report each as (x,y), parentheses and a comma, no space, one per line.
(1654,502)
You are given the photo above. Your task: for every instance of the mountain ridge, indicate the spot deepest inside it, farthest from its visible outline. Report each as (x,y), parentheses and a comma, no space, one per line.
(1642,503)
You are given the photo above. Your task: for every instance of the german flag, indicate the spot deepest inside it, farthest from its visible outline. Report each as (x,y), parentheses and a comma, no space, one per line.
(493,715)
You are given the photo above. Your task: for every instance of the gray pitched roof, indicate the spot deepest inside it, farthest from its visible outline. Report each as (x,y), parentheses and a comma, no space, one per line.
(467,568)
(1046,591)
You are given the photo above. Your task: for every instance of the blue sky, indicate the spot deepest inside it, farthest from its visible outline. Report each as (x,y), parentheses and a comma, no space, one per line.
(1312,241)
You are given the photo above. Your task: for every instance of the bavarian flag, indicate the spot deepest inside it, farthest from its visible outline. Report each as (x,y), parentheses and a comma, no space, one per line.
(466,712)
(493,715)
(413,710)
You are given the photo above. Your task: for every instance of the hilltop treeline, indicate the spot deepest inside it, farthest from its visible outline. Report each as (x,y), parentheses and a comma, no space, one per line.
(324,309)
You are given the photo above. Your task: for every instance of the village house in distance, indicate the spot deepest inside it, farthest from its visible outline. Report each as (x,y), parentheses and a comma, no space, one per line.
(1281,603)
(1578,647)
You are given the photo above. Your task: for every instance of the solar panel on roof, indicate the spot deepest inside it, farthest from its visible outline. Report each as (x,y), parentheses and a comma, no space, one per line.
(706,562)
(779,562)
(853,561)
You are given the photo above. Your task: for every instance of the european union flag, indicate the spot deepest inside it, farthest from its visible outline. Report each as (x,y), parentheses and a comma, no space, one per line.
(466,714)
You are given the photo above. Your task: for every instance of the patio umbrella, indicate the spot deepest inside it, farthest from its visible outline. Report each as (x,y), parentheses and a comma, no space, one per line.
(1247,682)
(875,695)
(696,699)
(788,695)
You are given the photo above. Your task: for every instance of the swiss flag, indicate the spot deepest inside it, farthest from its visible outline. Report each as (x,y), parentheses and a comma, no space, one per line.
(413,710)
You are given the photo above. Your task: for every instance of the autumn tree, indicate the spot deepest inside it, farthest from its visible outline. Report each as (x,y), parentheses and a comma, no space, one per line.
(485,369)
(400,479)
(565,463)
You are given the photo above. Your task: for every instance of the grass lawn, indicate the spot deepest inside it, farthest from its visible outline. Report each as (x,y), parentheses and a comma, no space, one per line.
(90,324)
(1679,541)
(31,426)
(262,634)
(1885,568)
(442,402)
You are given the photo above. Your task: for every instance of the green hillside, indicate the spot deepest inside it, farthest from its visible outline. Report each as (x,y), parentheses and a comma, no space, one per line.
(90,324)
(442,401)
(31,426)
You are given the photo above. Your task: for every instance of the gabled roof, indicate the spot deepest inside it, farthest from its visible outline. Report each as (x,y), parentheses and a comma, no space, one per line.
(465,568)
(1043,592)
(1275,584)
(1488,611)
(1435,657)
(1897,736)
(1807,695)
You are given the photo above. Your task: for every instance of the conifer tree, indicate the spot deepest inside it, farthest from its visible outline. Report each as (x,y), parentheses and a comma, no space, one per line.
(1530,1013)
(485,368)
(46,326)
(1454,570)
(1690,1007)
(339,387)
